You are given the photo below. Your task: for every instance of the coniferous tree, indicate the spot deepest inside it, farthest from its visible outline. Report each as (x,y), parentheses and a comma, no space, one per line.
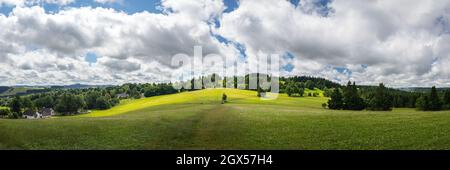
(381,100)
(423,103)
(435,101)
(352,100)
(336,102)
(446,99)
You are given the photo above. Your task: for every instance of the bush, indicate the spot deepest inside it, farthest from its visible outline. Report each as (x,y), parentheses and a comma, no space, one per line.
(4,112)
(224,98)
(13,115)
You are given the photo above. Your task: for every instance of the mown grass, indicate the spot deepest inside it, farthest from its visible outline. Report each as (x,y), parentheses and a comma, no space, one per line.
(197,120)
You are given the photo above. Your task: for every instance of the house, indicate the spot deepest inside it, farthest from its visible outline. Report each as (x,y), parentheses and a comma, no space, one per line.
(123,95)
(40,114)
(46,112)
(31,114)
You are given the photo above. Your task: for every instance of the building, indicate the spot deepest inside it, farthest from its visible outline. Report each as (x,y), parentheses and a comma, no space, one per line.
(46,112)
(123,96)
(31,114)
(40,114)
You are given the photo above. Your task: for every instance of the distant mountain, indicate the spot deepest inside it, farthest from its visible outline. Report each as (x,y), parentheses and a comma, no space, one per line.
(3,89)
(80,86)
(421,89)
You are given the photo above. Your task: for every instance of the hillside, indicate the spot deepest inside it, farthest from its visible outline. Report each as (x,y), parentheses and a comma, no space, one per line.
(197,120)
(12,91)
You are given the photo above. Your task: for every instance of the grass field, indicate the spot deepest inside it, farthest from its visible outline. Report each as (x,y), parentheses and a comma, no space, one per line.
(197,120)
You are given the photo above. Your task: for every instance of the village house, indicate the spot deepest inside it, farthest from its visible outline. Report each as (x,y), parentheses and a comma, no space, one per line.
(123,96)
(39,114)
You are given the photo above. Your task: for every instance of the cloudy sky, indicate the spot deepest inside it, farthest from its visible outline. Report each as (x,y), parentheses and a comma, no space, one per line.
(52,42)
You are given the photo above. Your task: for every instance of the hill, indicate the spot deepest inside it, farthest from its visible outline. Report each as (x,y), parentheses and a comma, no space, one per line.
(22,90)
(197,120)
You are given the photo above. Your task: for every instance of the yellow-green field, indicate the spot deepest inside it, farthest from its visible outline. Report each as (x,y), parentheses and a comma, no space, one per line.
(198,120)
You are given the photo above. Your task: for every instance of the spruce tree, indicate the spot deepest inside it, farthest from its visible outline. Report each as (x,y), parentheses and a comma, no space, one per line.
(336,102)
(446,99)
(435,101)
(381,100)
(352,100)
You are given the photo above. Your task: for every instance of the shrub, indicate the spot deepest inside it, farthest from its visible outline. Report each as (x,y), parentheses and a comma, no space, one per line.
(4,112)
(224,98)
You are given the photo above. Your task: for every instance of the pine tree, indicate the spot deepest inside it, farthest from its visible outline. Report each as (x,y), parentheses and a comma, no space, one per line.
(435,101)
(381,99)
(336,102)
(446,99)
(352,100)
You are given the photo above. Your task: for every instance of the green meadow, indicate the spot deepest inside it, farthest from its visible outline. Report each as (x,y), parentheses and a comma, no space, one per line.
(198,120)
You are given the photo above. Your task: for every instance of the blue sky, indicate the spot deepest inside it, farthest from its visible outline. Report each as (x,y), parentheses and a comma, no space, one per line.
(128,6)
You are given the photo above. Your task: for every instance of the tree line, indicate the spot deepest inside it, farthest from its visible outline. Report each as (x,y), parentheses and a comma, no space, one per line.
(381,98)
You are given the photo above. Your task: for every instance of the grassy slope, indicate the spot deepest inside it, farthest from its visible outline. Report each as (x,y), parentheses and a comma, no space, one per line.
(15,90)
(197,120)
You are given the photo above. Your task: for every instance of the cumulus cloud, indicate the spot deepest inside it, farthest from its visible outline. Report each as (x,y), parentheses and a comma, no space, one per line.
(108,1)
(126,44)
(401,43)
(393,39)
(33,2)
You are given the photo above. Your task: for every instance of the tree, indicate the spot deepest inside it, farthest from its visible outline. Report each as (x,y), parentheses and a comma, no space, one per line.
(150,92)
(91,99)
(44,102)
(310,84)
(336,102)
(4,112)
(327,92)
(381,100)
(294,88)
(352,100)
(435,101)
(423,103)
(27,103)
(289,90)
(299,89)
(16,105)
(135,93)
(446,99)
(103,103)
(224,98)
(69,103)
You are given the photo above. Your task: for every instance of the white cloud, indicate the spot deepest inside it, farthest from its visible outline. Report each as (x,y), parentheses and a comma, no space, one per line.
(400,42)
(129,46)
(395,39)
(34,2)
(107,1)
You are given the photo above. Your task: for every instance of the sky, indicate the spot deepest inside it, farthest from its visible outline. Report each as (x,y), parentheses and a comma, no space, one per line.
(401,43)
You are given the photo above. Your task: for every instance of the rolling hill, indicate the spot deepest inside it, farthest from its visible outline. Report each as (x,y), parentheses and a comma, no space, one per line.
(198,120)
